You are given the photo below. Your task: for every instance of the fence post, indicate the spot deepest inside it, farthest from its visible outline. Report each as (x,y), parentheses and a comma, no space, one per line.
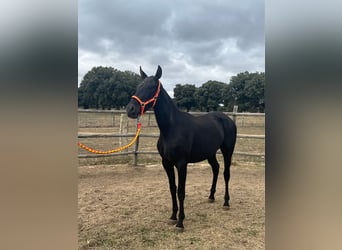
(123,129)
(235,109)
(149,119)
(136,148)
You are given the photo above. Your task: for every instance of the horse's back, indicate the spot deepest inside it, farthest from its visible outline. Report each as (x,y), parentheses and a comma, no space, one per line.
(228,123)
(216,117)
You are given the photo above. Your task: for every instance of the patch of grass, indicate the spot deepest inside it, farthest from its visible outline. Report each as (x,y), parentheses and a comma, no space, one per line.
(237,230)
(144,229)
(99,239)
(194,239)
(148,241)
(252,232)
(127,212)
(202,216)
(148,236)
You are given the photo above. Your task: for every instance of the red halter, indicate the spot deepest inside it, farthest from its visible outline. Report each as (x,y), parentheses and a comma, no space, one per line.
(144,104)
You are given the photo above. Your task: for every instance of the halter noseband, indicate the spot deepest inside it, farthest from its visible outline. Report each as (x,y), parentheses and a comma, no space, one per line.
(144,104)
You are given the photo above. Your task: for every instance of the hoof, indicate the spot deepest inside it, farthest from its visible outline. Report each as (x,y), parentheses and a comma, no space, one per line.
(210,200)
(180,229)
(172,222)
(226,207)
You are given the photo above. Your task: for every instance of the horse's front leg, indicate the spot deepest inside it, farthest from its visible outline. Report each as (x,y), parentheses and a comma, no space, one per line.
(182,169)
(169,169)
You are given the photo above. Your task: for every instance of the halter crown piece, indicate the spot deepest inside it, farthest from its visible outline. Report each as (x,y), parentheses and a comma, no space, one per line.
(144,104)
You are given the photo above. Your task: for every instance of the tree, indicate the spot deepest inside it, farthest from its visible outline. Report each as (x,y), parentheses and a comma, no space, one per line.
(247,91)
(255,92)
(106,88)
(210,95)
(90,89)
(184,96)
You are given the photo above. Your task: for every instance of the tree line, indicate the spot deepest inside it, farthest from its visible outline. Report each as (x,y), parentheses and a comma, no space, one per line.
(107,88)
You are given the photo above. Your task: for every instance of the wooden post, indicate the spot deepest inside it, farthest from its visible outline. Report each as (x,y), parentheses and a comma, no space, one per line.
(123,129)
(235,109)
(149,119)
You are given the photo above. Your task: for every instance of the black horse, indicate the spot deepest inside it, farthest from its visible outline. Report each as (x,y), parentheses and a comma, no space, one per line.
(184,139)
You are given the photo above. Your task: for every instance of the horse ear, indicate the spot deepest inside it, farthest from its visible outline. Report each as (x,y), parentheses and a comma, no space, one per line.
(142,74)
(158,73)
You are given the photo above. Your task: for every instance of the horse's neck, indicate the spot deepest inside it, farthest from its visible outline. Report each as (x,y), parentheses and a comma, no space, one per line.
(165,112)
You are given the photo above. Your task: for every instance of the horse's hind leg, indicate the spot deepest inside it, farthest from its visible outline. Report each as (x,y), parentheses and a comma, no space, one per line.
(226,174)
(215,168)
(227,156)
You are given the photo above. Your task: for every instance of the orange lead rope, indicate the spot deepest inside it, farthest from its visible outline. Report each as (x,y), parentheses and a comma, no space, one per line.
(91,150)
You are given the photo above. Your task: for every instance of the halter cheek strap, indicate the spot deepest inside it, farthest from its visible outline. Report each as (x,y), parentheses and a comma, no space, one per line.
(144,104)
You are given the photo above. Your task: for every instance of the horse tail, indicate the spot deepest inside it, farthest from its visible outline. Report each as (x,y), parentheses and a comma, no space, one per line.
(230,132)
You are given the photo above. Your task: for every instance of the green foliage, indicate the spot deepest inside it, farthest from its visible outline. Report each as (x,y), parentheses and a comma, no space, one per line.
(184,96)
(247,91)
(106,88)
(210,95)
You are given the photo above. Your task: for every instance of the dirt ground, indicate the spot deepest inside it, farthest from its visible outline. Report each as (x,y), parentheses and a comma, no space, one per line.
(125,207)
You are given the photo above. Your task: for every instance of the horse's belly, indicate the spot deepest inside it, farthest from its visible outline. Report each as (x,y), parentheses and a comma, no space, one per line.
(199,154)
(172,152)
(205,146)
(200,149)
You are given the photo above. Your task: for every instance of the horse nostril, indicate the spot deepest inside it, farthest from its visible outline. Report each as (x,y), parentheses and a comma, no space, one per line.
(130,109)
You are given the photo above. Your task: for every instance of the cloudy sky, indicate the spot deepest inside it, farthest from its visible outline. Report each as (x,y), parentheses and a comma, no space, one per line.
(193,41)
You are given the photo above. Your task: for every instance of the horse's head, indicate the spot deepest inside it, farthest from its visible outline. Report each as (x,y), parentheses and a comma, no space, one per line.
(146,94)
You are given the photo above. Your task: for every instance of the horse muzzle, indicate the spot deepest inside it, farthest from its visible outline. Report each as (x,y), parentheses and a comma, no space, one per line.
(132,109)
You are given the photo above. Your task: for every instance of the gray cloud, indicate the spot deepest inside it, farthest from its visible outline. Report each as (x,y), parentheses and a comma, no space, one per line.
(194,41)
